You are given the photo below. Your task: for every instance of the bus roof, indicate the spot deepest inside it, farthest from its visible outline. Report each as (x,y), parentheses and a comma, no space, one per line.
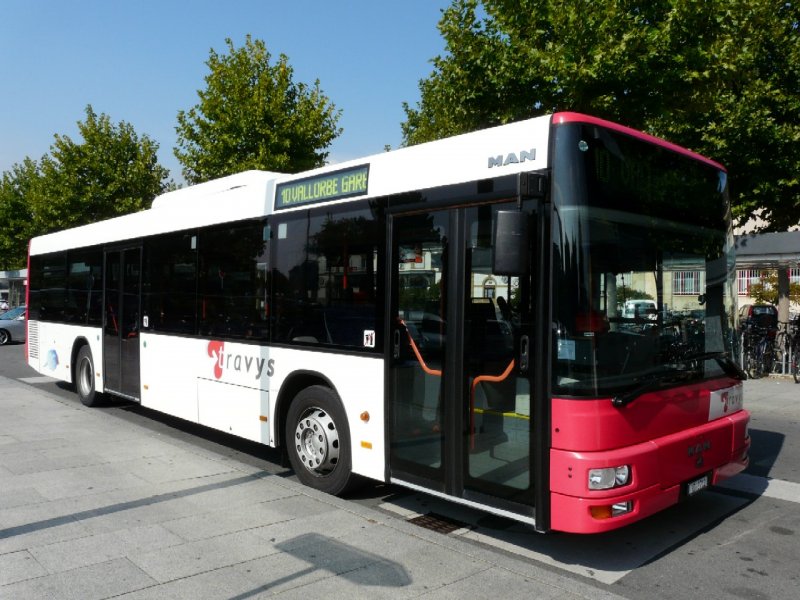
(572,117)
(484,154)
(488,153)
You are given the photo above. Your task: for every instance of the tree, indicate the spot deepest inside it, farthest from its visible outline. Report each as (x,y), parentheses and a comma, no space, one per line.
(16,219)
(766,290)
(112,171)
(721,77)
(252,115)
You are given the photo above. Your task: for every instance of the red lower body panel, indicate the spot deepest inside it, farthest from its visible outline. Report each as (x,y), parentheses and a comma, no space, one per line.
(660,470)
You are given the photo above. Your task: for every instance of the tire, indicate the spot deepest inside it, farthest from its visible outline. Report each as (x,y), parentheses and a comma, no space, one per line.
(770,361)
(318,441)
(750,366)
(85,378)
(5,337)
(761,362)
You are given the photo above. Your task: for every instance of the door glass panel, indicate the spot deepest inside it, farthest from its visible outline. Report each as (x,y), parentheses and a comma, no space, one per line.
(112,324)
(122,321)
(498,444)
(129,325)
(420,250)
(460,399)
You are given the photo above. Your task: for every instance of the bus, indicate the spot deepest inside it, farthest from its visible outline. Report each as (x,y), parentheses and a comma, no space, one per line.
(446,317)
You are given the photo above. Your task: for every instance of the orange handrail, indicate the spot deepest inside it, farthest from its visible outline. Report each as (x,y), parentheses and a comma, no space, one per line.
(425,367)
(475,382)
(480,378)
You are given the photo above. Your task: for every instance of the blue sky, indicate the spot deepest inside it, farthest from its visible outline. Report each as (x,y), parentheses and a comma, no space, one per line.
(143,61)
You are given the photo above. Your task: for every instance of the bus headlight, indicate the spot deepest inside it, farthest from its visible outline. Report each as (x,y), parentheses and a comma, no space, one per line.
(609,477)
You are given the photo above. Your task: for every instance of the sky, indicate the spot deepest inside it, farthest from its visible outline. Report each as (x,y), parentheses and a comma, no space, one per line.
(141,61)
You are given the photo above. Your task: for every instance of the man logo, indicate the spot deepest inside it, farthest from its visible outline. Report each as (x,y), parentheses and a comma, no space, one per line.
(512,158)
(696,450)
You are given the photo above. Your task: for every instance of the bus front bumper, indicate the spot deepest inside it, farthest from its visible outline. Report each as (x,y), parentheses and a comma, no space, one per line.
(663,472)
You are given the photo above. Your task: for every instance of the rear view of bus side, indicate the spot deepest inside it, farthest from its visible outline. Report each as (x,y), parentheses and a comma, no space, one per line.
(536,320)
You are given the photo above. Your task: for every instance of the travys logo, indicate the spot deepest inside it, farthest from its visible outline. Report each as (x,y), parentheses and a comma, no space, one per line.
(239,363)
(724,402)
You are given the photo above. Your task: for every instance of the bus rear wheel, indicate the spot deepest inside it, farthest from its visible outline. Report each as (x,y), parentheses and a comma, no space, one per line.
(318,440)
(84,378)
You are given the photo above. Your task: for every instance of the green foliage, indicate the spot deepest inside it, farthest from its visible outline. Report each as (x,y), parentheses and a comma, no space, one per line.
(419,298)
(766,290)
(111,172)
(252,115)
(627,293)
(16,218)
(721,77)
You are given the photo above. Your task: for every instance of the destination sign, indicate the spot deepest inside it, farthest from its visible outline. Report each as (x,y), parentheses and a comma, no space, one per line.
(322,188)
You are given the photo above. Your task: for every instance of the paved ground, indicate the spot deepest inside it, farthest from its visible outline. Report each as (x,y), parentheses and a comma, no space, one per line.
(92,506)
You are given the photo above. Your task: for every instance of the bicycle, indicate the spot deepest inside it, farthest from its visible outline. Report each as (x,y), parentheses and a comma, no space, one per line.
(782,349)
(758,351)
(793,338)
(787,348)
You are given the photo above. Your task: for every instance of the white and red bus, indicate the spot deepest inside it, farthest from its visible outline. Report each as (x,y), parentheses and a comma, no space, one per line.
(453,317)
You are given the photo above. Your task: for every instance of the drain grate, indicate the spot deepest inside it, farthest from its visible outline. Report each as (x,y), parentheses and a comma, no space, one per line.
(438,523)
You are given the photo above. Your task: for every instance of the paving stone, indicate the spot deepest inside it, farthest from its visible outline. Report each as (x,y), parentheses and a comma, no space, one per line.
(19,566)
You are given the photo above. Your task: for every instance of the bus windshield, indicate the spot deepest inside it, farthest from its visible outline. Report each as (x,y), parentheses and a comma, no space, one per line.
(643,265)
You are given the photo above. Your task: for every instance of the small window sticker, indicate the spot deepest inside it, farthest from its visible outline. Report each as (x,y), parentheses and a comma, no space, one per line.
(566,349)
(369,338)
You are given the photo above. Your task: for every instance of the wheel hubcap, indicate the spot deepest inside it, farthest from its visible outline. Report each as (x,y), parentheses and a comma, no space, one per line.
(317,441)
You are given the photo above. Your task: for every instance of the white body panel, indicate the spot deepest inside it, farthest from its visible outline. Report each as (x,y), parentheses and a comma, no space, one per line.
(234,387)
(50,348)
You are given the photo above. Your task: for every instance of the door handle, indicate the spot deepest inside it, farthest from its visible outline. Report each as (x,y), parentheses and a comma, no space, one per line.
(524,349)
(396,344)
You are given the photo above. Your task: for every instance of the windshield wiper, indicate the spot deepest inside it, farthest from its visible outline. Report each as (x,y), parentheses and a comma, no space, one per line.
(653,382)
(724,360)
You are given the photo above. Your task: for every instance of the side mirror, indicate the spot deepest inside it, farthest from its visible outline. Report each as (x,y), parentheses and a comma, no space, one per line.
(511,243)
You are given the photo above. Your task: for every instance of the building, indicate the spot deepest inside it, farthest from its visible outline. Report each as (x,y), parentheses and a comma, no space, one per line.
(757,254)
(12,286)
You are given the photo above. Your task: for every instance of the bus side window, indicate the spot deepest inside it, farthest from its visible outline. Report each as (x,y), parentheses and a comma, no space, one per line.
(325,284)
(231,259)
(169,282)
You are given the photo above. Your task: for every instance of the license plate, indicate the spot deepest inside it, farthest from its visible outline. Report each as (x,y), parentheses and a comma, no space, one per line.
(697,485)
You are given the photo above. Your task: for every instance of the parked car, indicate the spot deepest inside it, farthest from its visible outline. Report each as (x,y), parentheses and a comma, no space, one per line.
(640,309)
(762,316)
(12,326)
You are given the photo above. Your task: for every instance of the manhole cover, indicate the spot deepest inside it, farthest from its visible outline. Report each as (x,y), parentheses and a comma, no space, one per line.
(438,523)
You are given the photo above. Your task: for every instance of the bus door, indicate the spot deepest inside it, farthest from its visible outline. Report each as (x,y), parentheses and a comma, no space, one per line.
(460,402)
(122,286)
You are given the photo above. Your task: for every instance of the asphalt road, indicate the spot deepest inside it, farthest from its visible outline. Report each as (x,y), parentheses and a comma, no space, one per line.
(740,541)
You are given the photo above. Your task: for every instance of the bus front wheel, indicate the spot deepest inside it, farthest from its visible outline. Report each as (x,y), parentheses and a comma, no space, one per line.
(318,440)
(84,378)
